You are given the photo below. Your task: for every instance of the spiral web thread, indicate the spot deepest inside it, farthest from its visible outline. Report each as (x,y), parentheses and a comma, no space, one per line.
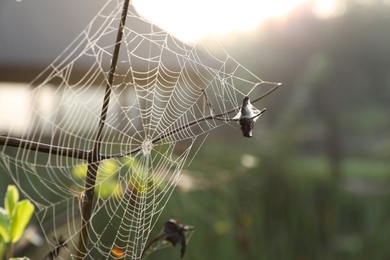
(158,90)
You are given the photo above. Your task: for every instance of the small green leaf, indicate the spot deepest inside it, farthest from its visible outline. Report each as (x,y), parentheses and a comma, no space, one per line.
(107,189)
(4,225)
(106,178)
(24,210)
(80,171)
(129,162)
(107,168)
(139,180)
(10,200)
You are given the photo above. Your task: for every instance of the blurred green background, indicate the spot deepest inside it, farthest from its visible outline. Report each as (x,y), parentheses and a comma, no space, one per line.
(314,181)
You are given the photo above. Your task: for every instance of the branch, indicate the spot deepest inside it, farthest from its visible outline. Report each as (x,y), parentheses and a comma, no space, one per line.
(86,154)
(90,179)
(278,85)
(195,121)
(44,148)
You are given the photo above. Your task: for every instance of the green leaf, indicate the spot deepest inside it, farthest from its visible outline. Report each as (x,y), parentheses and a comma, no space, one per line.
(24,210)
(4,225)
(107,168)
(10,200)
(80,171)
(129,162)
(107,189)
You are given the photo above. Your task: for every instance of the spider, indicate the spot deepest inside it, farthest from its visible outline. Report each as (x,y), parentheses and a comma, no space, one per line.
(246,117)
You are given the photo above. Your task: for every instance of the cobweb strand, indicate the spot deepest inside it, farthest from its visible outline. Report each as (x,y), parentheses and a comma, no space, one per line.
(156,112)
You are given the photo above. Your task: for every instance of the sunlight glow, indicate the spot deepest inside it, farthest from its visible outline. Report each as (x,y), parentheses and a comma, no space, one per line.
(328,8)
(14,111)
(191,20)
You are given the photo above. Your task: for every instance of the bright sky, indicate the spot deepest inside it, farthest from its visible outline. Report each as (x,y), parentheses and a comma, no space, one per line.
(191,20)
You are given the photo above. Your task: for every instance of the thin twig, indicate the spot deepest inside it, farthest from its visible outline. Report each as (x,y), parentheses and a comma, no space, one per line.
(44,148)
(90,179)
(147,247)
(278,85)
(199,120)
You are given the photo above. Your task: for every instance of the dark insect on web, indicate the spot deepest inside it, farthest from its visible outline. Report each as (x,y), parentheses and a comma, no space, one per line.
(173,232)
(56,251)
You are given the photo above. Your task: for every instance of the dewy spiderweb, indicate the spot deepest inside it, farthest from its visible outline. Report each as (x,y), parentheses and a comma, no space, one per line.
(158,93)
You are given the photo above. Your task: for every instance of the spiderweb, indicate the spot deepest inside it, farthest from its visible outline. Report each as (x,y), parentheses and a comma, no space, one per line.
(161,89)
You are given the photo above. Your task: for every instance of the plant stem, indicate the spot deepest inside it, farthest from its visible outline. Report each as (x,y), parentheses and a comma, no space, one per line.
(94,158)
(10,250)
